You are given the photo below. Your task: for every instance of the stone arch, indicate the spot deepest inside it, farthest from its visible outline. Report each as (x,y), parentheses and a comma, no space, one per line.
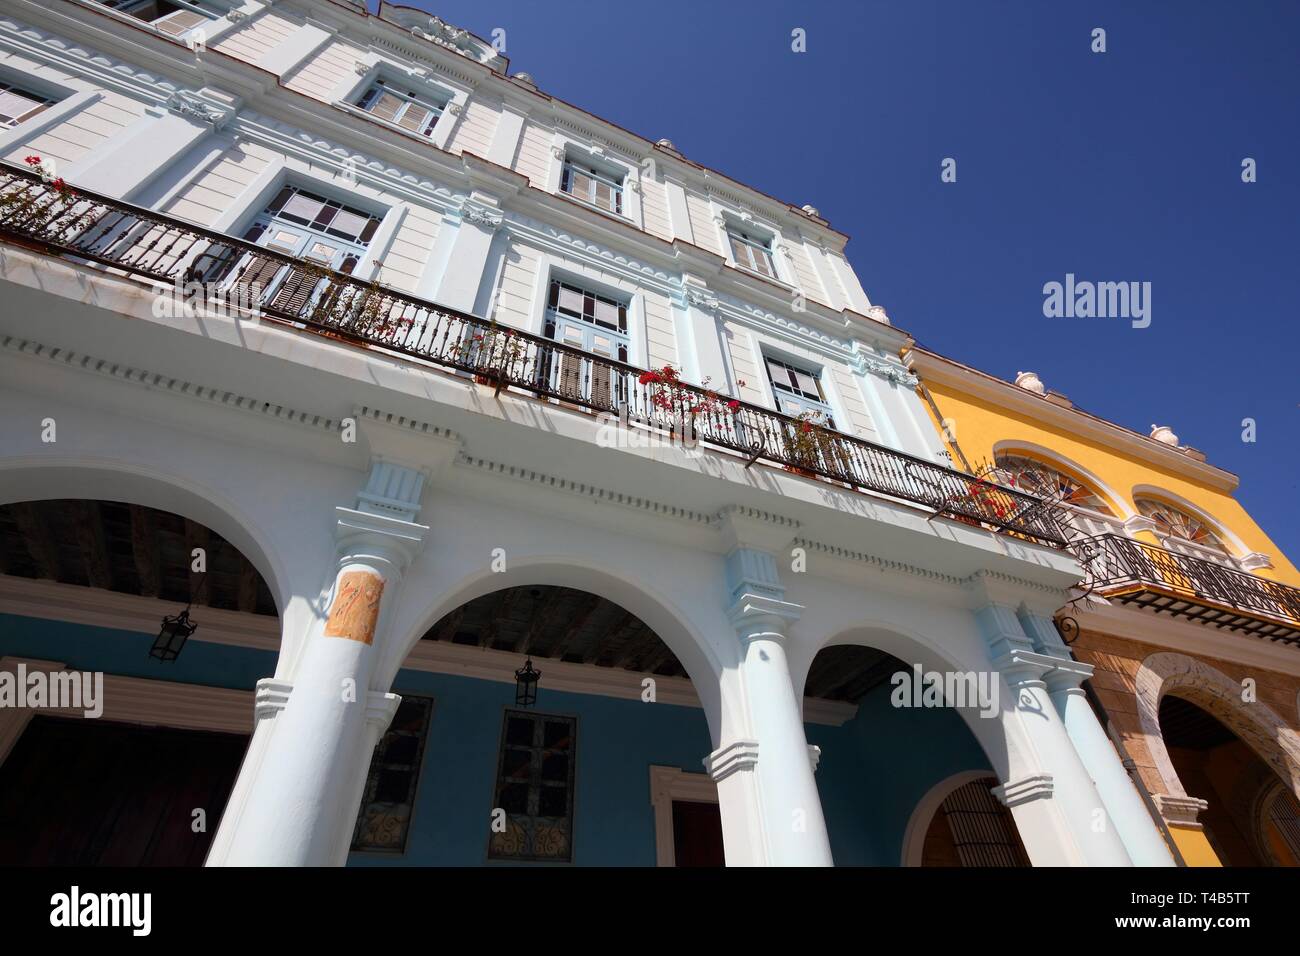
(131,484)
(1256,724)
(670,622)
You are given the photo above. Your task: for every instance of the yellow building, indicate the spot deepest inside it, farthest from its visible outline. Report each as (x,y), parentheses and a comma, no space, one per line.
(1188,612)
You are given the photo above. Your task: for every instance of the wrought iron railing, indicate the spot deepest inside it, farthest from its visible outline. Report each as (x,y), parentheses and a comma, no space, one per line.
(1113,562)
(129,240)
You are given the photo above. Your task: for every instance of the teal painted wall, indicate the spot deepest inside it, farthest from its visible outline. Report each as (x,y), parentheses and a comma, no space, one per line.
(873,770)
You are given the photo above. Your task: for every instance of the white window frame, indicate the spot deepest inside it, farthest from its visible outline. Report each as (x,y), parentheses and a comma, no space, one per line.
(727,220)
(216,12)
(253,200)
(565,148)
(763,350)
(551,266)
(596,174)
(412,99)
(374,67)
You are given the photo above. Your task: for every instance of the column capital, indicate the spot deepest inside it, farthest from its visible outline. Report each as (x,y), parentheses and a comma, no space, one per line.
(362,535)
(732,758)
(1015,792)
(1067,676)
(756,615)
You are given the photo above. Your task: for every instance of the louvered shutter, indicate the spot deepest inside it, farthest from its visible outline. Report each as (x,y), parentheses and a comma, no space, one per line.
(256,278)
(180,21)
(570,378)
(294,292)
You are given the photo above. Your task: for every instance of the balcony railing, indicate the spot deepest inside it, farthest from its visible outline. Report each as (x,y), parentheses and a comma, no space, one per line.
(1120,568)
(128,240)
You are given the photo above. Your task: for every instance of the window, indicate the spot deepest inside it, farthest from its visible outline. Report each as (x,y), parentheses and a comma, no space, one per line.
(327,233)
(591,322)
(1178,529)
(798,390)
(390,102)
(597,187)
(751,253)
(173,17)
(385,816)
(18,104)
(535,788)
(300,223)
(1092,514)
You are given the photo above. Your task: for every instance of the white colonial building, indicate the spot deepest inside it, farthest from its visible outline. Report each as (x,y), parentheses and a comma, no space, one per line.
(402,372)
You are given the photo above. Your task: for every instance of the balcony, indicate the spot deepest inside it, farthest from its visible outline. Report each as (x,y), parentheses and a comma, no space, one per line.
(1133,572)
(186,260)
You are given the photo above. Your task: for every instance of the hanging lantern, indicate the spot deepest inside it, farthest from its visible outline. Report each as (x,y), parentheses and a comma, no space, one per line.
(526,679)
(175,632)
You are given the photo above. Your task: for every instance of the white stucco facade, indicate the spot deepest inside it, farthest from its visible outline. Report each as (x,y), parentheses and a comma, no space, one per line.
(319,460)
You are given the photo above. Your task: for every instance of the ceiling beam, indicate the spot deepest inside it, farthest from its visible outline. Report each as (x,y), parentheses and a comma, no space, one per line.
(246,599)
(144,550)
(197,536)
(88,531)
(37,539)
(582,613)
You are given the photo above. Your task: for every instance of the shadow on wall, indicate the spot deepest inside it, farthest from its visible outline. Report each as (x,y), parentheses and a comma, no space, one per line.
(877,767)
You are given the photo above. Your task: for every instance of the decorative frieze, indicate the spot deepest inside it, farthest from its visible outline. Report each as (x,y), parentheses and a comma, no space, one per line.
(191,105)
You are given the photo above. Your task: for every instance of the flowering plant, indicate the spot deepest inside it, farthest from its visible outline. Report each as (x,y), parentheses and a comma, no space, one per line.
(984,496)
(804,437)
(494,349)
(670,394)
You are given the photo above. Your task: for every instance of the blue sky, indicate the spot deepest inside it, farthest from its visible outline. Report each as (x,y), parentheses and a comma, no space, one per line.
(1122,166)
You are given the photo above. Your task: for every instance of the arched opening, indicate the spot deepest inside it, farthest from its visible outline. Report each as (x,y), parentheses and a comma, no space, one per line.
(108,754)
(879,770)
(1251,817)
(1183,530)
(968,828)
(1092,511)
(477,777)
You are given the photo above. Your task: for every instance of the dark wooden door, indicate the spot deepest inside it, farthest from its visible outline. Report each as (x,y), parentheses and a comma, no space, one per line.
(93,793)
(697,834)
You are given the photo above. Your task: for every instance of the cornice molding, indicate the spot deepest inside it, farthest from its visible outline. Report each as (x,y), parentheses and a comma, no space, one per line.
(936,368)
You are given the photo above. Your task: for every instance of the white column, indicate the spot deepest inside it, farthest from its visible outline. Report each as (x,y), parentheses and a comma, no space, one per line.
(295,803)
(767,794)
(1072,786)
(1124,805)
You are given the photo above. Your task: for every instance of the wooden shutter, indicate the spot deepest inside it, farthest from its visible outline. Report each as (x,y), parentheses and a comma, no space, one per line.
(179,22)
(294,292)
(570,378)
(257,276)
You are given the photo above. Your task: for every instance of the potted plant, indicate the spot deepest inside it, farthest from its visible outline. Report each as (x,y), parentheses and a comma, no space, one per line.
(492,352)
(802,441)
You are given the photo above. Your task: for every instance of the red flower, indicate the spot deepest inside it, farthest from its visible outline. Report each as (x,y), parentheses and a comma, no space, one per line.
(32,160)
(733,405)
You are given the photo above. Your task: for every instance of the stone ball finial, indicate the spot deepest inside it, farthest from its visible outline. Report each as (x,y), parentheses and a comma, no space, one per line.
(526,78)
(1030,382)
(666,144)
(1165,435)
(812,211)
